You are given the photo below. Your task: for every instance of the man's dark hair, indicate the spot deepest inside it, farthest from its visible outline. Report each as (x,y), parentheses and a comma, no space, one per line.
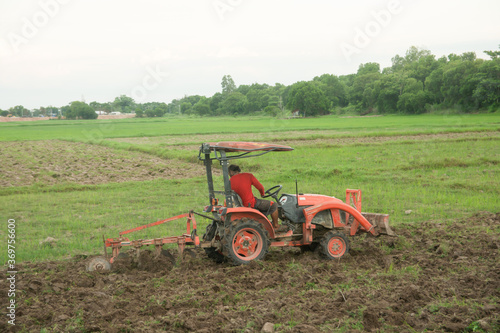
(235,168)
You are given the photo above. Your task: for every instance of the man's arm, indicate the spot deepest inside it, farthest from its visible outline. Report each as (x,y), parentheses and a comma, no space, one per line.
(258,186)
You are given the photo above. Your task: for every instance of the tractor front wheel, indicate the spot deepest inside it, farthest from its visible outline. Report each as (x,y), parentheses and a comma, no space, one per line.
(246,241)
(334,245)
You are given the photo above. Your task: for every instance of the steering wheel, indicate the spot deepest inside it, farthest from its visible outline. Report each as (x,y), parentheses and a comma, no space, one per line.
(271,193)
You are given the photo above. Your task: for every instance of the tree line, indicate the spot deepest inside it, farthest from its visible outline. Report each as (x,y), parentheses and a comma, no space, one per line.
(415,83)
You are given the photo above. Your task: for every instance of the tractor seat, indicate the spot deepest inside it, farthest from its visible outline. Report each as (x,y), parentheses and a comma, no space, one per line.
(236,199)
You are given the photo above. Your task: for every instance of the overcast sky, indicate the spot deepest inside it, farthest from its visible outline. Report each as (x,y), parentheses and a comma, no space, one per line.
(53,52)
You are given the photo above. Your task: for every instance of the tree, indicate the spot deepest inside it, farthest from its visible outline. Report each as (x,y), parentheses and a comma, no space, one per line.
(139,113)
(174,107)
(81,110)
(160,110)
(202,107)
(65,110)
(487,90)
(272,110)
(186,108)
(215,103)
(414,54)
(123,104)
(244,88)
(19,111)
(308,98)
(459,82)
(433,85)
(52,110)
(255,99)
(228,85)
(369,67)
(413,99)
(493,54)
(468,56)
(106,107)
(364,80)
(412,102)
(234,104)
(334,89)
(387,92)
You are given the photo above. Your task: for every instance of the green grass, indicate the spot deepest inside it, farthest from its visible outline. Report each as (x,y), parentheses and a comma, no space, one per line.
(95,130)
(441,179)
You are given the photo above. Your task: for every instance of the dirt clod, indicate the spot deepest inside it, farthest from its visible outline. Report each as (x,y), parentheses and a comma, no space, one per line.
(268,328)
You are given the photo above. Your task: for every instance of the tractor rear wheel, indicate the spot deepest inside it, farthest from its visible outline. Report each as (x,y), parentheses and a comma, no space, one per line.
(334,245)
(246,241)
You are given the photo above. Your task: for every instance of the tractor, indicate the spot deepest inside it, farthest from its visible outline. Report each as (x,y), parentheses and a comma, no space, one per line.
(241,235)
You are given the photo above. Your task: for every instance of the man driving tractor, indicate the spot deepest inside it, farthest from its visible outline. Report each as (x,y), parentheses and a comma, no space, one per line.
(241,183)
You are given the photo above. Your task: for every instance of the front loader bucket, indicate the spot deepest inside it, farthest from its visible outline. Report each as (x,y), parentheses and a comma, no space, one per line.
(380,222)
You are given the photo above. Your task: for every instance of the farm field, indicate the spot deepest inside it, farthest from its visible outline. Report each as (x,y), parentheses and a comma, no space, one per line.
(67,184)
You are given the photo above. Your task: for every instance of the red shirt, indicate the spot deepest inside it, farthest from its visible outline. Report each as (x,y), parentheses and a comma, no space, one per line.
(242,184)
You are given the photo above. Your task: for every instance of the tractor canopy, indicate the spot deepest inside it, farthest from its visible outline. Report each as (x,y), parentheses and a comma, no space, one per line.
(236,146)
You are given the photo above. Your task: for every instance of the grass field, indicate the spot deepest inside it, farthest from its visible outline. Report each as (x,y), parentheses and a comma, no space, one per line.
(439,167)
(68,183)
(95,130)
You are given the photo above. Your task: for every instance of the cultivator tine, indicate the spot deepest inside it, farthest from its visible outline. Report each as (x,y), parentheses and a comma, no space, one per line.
(158,243)
(380,222)
(182,245)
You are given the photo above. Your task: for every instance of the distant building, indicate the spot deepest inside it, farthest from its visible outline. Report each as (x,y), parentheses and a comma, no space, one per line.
(115,113)
(101,112)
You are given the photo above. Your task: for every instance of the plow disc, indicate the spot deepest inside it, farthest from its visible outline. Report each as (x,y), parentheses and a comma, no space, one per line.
(98,264)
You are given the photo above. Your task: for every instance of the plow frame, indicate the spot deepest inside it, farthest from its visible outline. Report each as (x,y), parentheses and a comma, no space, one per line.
(189,238)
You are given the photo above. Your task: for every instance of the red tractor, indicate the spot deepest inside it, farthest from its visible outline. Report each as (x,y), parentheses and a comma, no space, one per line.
(243,234)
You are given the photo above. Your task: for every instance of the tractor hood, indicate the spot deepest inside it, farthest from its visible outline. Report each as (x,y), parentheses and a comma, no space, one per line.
(307,199)
(294,211)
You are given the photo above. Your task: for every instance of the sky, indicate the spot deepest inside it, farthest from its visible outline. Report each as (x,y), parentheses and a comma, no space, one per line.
(53,52)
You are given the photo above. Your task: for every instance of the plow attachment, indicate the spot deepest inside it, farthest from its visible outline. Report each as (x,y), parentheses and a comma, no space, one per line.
(116,244)
(380,222)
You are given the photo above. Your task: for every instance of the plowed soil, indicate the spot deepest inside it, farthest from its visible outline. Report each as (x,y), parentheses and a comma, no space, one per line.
(323,137)
(54,162)
(435,277)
